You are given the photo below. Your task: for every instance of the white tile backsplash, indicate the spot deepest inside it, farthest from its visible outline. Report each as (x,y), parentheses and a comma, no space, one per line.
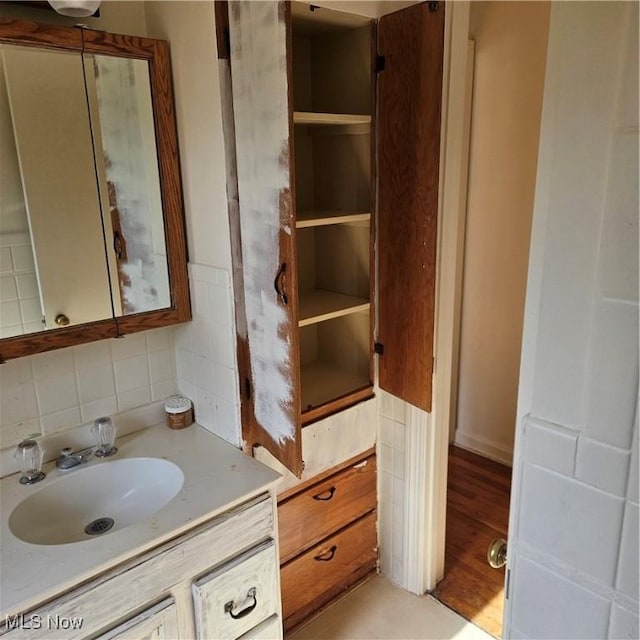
(96,382)
(132,373)
(134,398)
(57,392)
(205,356)
(62,389)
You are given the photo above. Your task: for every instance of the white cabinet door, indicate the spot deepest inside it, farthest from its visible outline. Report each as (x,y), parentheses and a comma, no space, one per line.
(159,622)
(238,596)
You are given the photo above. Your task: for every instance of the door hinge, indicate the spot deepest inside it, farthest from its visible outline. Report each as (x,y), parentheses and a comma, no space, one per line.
(247,388)
(433,6)
(378,348)
(380,63)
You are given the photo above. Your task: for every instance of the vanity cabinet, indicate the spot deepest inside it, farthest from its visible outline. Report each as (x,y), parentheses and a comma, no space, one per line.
(219,580)
(159,622)
(337,148)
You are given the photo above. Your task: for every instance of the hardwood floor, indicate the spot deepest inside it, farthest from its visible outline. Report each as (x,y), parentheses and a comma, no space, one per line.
(477,512)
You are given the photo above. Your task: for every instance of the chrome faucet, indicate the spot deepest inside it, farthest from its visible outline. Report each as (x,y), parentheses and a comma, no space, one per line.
(69,458)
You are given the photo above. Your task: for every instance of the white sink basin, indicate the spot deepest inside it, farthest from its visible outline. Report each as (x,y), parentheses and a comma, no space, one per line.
(101,498)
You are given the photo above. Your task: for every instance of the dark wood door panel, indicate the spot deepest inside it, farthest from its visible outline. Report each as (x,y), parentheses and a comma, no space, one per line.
(409,113)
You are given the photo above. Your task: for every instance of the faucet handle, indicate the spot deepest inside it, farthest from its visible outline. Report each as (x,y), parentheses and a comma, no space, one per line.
(30,456)
(66,452)
(104,431)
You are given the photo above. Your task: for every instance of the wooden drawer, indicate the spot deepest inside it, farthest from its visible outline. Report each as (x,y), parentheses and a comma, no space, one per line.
(312,515)
(238,596)
(320,574)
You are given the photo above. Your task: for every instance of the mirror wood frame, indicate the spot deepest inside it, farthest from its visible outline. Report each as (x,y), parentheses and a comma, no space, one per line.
(156,53)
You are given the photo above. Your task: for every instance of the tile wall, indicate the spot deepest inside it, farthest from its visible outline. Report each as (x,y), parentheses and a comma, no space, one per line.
(205,353)
(63,389)
(20,310)
(574,541)
(392,490)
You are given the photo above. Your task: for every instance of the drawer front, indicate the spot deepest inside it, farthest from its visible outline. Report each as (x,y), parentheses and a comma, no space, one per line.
(270,629)
(159,622)
(239,595)
(132,585)
(326,507)
(320,574)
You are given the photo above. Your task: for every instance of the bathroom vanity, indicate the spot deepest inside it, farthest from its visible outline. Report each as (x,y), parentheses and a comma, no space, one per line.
(205,565)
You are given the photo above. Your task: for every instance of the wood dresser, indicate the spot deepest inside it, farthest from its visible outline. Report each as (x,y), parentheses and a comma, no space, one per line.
(328,537)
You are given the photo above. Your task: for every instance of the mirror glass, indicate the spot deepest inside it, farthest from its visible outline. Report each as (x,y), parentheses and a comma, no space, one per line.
(81,221)
(119,94)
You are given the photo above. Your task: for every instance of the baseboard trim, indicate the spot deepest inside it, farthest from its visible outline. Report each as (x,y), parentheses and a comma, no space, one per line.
(485,447)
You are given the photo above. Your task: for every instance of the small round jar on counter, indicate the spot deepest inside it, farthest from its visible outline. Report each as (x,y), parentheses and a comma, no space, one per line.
(179,412)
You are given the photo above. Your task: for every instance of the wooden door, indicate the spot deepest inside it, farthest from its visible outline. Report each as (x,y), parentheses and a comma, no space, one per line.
(411,42)
(258,35)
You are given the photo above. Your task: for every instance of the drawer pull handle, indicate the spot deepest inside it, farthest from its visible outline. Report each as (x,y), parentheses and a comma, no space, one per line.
(245,608)
(327,555)
(277,283)
(325,495)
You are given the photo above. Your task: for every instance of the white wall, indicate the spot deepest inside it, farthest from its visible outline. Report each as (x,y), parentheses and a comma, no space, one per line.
(510,51)
(573,538)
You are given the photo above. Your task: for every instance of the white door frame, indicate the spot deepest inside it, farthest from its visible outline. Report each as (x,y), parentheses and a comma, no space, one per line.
(428,440)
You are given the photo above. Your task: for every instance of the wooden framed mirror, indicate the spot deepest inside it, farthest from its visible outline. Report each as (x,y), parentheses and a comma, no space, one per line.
(91,216)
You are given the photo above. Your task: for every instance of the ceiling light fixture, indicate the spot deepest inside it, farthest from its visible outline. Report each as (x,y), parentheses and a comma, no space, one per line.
(75,8)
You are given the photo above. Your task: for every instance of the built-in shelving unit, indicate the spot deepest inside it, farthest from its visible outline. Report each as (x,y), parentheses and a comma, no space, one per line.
(318,305)
(332,107)
(307,219)
(310,117)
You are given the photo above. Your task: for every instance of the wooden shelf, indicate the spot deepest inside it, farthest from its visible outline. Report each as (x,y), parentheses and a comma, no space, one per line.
(307,219)
(323,382)
(310,117)
(317,305)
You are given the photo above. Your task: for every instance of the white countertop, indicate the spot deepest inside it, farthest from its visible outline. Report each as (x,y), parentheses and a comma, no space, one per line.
(217,477)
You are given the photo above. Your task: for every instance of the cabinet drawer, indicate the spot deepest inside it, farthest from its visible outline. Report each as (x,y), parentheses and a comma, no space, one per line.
(270,629)
(326,507)
(159,622)
(237,596)
(317,576)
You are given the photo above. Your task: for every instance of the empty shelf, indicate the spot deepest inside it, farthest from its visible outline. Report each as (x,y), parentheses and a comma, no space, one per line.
(310,117)
(323,382)
(318,305)
(319,218)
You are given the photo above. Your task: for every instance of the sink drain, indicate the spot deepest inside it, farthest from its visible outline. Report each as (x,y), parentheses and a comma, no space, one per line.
(98,526)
